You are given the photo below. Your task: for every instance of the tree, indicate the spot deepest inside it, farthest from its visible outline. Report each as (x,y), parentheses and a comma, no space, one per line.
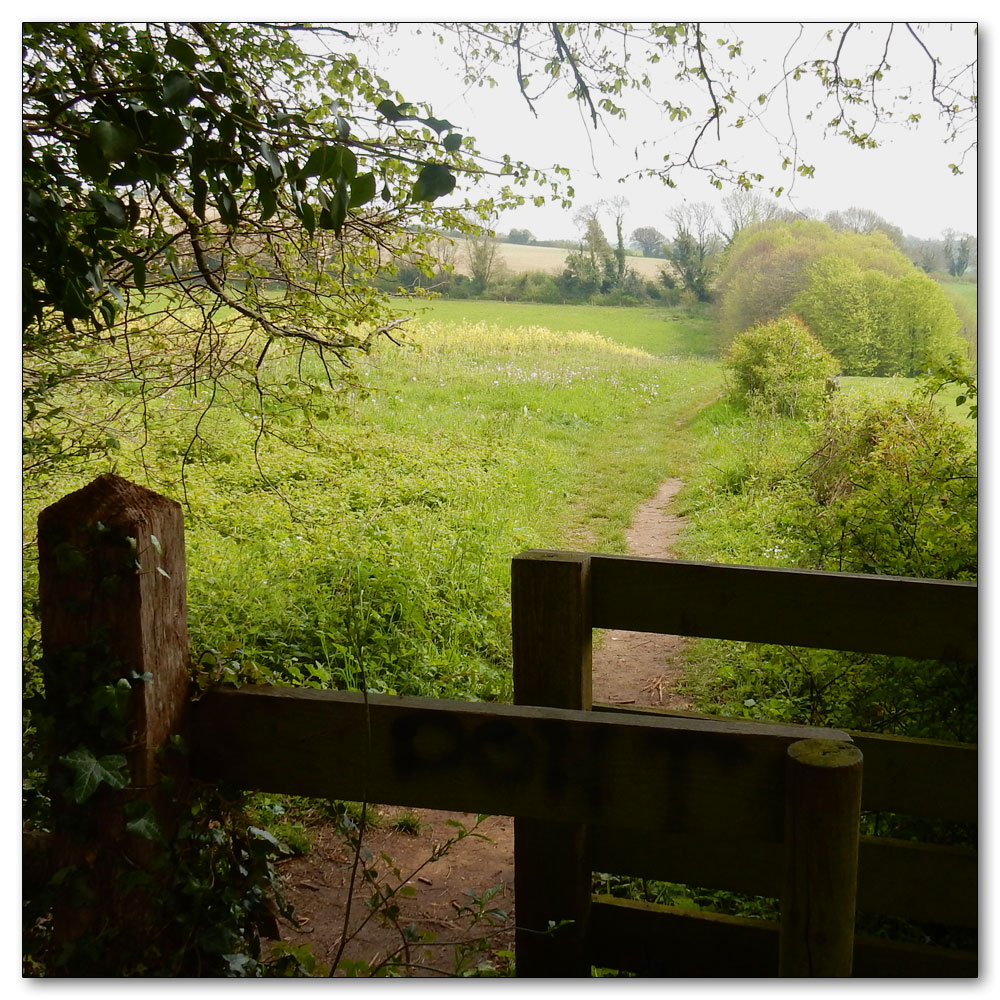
(262,177)
(649,240)
(481,253)
(958,252)
(220,171)
(694,247)
(768,266)
(848,73)
(744,208)
(593,267)
(617,207)
(877,324)
(926,254)
(863,221)
(523,236)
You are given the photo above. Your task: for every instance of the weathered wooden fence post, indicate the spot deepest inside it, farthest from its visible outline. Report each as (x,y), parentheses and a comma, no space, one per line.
(551,614)
(822,816)
(114,623)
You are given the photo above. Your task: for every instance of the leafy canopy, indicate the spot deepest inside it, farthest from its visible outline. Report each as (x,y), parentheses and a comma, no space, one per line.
(195,193)
(199,197)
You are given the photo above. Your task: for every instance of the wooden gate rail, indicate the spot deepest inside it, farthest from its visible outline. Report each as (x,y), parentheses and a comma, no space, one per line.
(897,769)
(747,805)
(903,878)
(666,941)
(546,764)
(899,616)
(559,597)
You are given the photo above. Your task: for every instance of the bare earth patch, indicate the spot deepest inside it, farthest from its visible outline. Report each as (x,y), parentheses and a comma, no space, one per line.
(316,885)
(637,668)
(630,668)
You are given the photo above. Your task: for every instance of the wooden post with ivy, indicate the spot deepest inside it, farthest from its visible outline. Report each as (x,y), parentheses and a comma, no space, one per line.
(115,661)
(551,615)
(822,826)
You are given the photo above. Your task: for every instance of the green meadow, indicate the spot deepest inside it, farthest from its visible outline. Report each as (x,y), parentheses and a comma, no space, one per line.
(662,331)
(367,537)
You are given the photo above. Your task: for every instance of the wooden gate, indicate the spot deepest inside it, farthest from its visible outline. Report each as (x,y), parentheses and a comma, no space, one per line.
(747,806)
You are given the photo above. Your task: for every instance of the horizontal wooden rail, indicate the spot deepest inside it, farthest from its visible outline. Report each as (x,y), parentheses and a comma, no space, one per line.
(898,878)
(929,619)
(895,877)
(927,778)
(898,771)
(687,777)
(671,942)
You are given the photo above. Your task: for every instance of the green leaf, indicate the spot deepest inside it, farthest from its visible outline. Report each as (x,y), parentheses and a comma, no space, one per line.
(348,164)
(389,110)
(308,217)
(453,142)
(178,89)
(362,190)
(182,52)
(143,823)
(438,124)
(338,209)
(227,206)
(91,160)
(433,181)
(324,162)
(265,835)
(90,772)
(272,160)
(268,203)
(115,141)
(234,172)
(167,133)
(111,211)
(138,268)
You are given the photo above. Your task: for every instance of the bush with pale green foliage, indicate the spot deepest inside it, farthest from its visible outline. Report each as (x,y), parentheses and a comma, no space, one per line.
(767,267)
(860,297)
(875,323)
(780,367)
(883,485)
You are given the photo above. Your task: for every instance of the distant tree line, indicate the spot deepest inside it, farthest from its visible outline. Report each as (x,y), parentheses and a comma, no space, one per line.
(705,260)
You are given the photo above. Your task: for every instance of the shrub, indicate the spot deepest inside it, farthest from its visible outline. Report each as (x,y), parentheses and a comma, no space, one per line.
(876,323)
(897,481)
(781,367)
(890,489)
(767,266)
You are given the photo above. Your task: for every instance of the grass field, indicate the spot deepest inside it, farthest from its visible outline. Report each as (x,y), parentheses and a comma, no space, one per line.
(964,296)
(664,332)
(550,260)
(374,529)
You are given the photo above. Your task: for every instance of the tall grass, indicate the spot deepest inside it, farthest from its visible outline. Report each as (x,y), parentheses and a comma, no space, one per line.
(666,332)
(367,538)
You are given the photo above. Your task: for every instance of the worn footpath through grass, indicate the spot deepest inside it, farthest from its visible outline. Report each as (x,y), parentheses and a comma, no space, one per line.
(459,908)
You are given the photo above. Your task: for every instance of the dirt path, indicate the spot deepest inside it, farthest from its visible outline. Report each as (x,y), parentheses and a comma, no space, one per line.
(630,668)
(637,668)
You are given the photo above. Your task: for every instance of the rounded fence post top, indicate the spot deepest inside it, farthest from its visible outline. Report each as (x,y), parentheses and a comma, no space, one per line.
(825,753)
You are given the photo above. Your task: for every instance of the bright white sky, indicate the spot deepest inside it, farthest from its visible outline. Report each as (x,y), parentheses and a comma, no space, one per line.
(907,180)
